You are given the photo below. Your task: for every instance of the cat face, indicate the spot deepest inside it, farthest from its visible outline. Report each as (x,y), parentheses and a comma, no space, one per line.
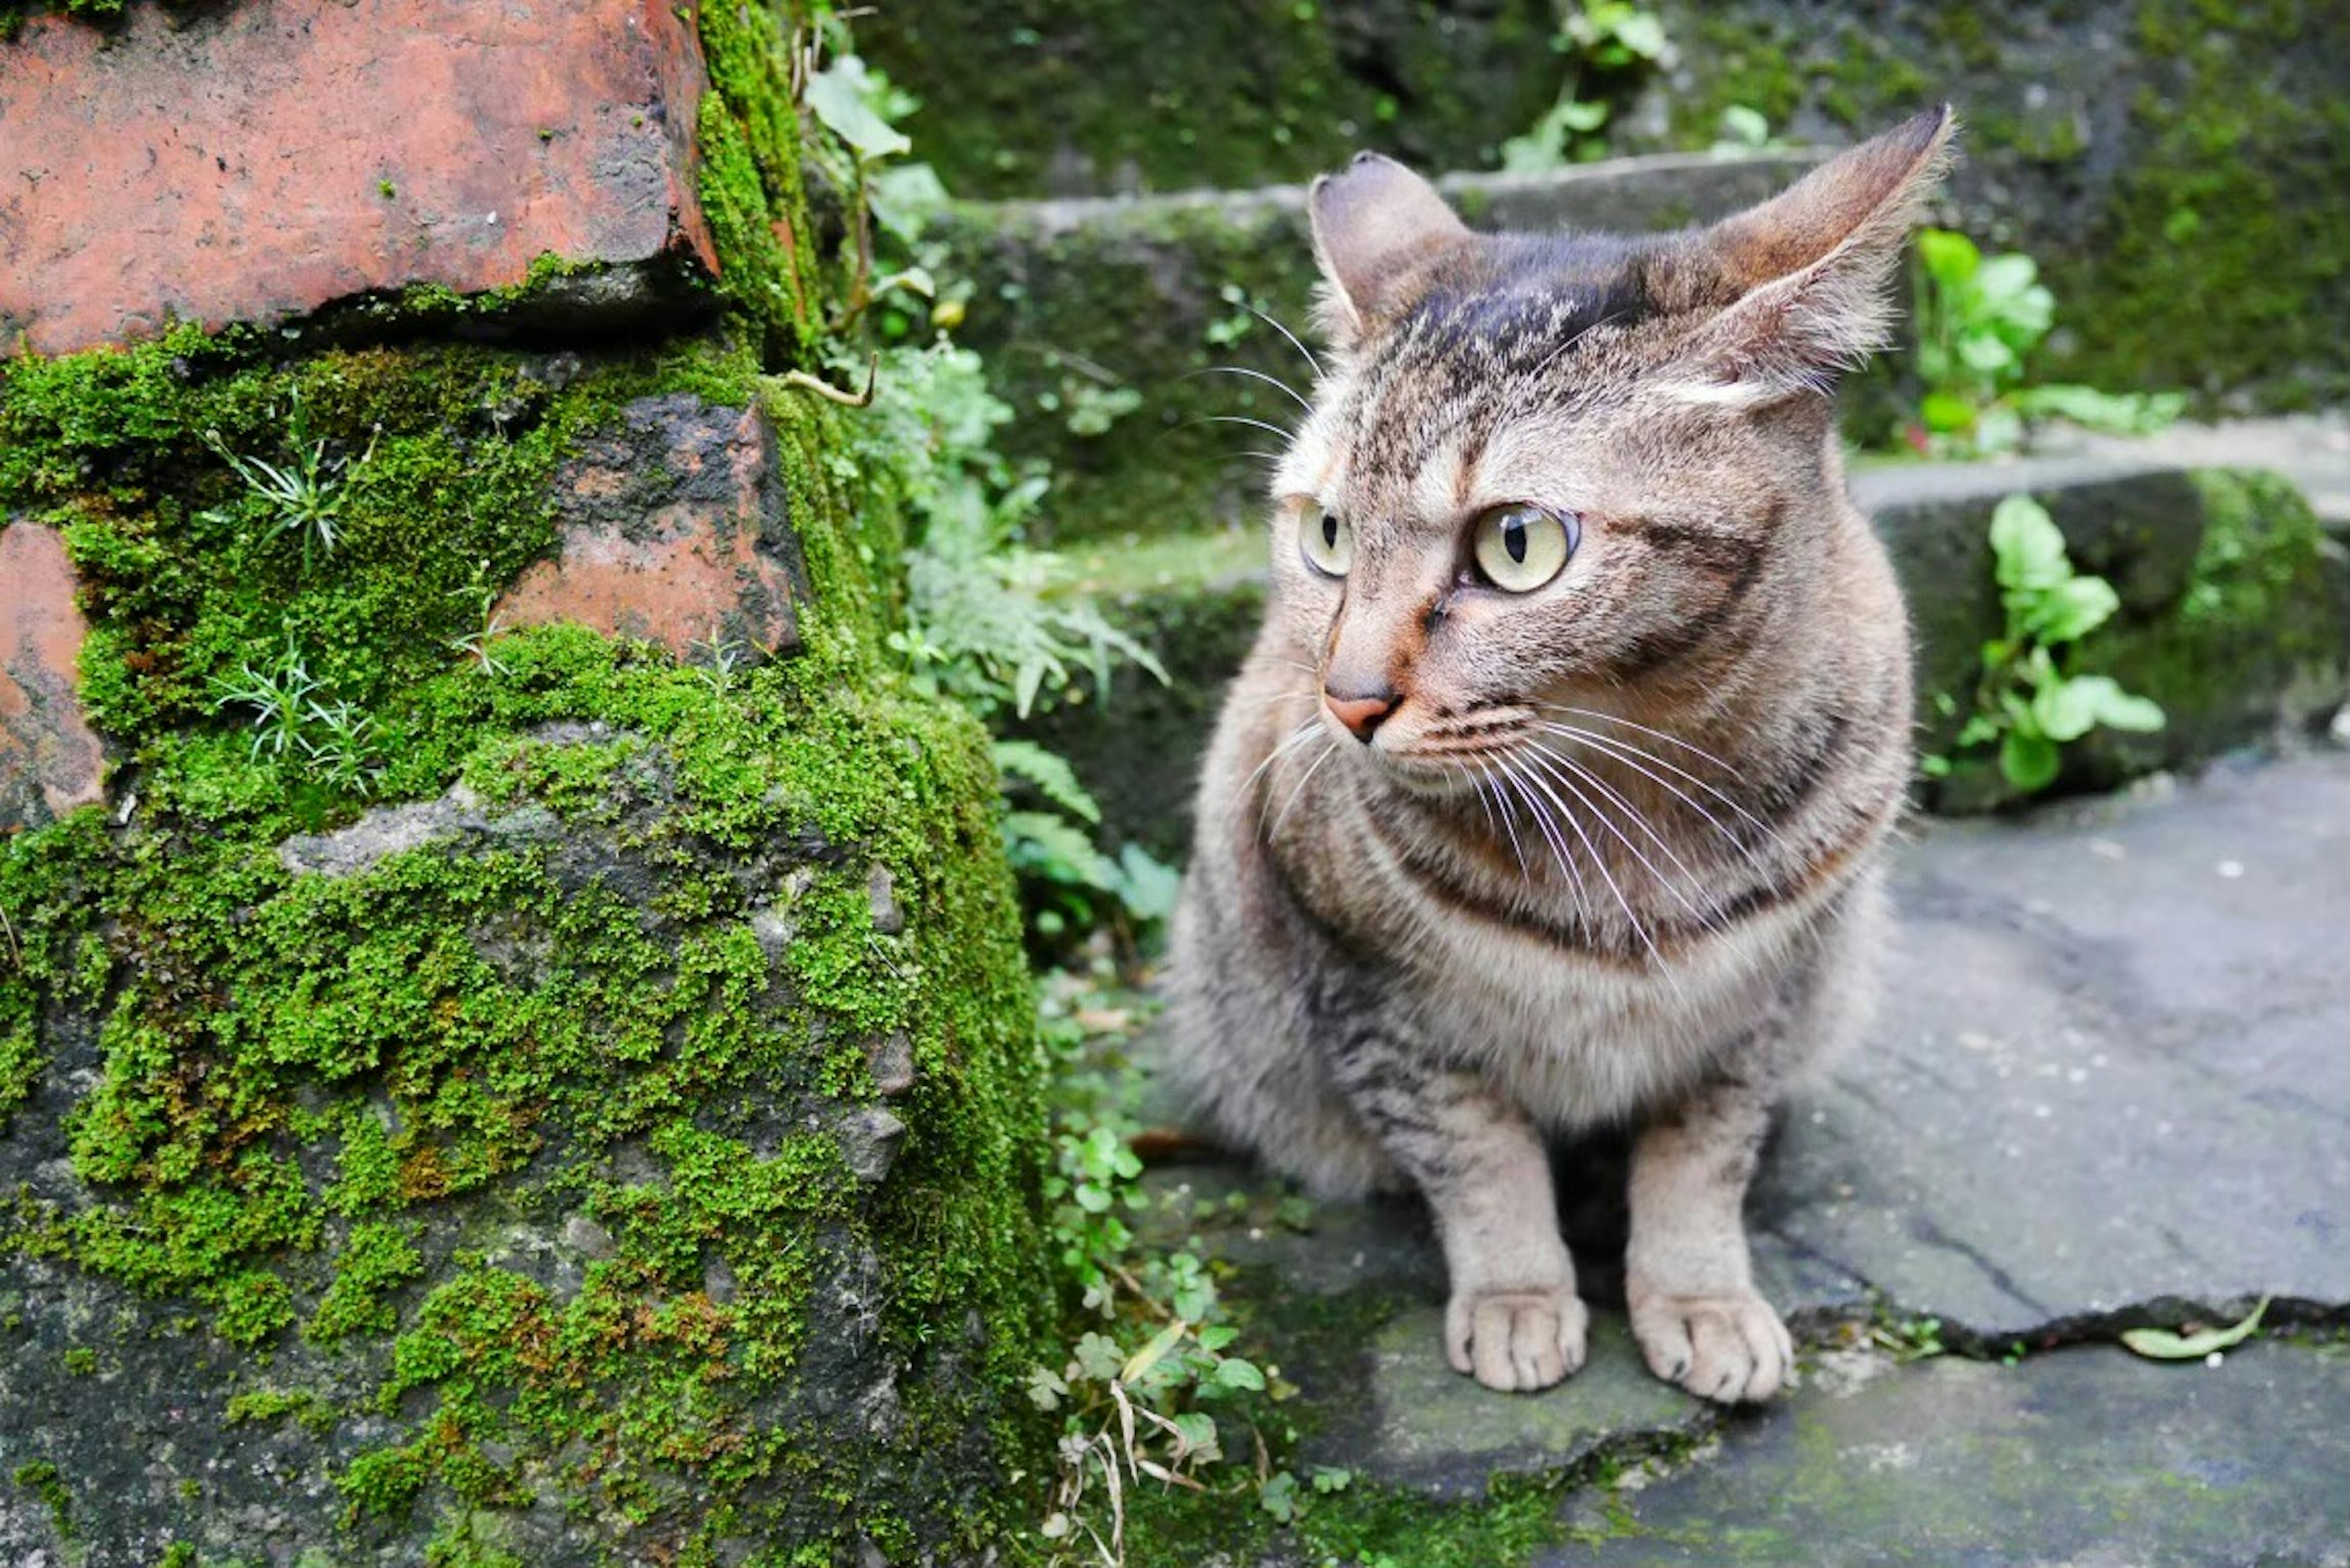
(1549,473)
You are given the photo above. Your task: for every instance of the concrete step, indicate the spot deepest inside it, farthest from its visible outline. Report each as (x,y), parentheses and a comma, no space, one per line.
(2235,610)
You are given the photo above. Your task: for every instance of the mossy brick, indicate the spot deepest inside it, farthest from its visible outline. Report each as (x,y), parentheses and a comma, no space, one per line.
(360,149)
(50,761)
(673,527)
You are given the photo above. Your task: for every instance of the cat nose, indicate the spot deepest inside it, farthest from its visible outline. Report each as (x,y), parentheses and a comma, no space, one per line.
(1361,715)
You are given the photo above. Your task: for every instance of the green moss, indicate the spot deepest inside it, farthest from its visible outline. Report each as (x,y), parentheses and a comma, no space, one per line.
(44,1481)
(1032,96)
(2222,255)
(2257,641)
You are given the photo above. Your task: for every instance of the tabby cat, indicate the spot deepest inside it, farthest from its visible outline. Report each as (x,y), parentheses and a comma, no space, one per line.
(1554,794)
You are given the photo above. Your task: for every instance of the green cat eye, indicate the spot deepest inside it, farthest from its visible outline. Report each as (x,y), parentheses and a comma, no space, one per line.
(1328,543)
(1520,546)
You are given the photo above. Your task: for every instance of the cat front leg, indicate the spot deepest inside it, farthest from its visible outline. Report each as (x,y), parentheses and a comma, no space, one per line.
(1688,1280)
(1513,1319)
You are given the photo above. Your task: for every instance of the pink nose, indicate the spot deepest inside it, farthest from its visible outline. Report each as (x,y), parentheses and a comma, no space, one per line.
(1361,715)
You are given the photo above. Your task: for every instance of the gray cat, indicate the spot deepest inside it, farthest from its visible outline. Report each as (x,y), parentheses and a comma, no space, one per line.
(1554,794)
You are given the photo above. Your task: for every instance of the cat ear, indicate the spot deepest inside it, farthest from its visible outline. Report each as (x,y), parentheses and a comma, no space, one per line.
(1377,226)
(1813,268)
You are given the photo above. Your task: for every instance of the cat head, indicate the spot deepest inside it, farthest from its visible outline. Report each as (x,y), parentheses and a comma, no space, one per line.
(1549,468)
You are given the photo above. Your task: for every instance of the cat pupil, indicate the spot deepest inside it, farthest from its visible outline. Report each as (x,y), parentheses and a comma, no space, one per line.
(1329,530)
(1513,539)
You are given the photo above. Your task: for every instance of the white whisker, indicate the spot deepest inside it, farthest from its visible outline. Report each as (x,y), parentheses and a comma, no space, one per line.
(1550,761)
(1299,788)
(1271,429)
(1732,803)
(1294,738)
(1599,864)
(1285,332)
(1630,755)
(1550,834)
(1292,393)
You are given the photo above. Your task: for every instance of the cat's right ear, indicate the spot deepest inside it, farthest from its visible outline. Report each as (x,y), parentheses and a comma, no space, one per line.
(1377,227)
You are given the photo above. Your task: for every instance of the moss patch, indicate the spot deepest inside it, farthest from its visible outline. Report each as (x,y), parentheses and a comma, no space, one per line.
(523,1175)
(1034,96)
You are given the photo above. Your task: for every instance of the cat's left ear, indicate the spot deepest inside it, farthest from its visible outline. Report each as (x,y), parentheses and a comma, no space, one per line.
(1377,228)
(1814,265)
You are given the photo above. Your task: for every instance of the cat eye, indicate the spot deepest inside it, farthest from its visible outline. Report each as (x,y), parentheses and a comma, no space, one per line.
(1328,543)
(1519,547)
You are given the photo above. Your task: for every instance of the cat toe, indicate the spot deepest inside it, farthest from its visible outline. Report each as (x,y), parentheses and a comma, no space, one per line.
(1729,1349)
(1516,1341)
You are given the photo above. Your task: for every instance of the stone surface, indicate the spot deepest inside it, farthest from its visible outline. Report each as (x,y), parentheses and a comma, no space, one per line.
(50,761)
(2085,1458)
(328,152)
(1424,1426)
(2108,1072)
(674,529)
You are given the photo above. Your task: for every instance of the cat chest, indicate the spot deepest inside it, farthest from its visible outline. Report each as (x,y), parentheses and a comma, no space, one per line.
(1579,1039)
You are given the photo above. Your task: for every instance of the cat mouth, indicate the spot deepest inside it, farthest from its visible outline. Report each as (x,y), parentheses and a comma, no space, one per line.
(1455,760)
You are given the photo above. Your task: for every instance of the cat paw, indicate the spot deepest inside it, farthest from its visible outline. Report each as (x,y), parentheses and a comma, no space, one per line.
(1732,1349)
(1516,1341)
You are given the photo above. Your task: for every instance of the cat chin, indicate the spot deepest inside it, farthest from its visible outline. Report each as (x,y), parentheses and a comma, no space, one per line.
(1428,781)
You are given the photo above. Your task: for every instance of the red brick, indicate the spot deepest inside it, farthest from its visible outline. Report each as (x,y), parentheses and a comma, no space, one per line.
(674,530)
(49,760)
(232,164)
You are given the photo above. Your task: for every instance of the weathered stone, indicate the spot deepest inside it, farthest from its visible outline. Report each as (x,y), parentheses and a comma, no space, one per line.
(563,131)
(674,529)
(880,894)
(396,829)
(1426,1427)
(2107,1076)
(50,761)
(869,1139)
(2105,1090)
(893,1064)
(2086,1459)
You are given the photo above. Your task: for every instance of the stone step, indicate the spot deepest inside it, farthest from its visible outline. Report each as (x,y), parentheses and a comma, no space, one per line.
(2101,1095)
(2235,610)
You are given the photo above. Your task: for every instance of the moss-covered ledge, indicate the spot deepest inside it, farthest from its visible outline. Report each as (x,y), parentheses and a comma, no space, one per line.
(530,1098)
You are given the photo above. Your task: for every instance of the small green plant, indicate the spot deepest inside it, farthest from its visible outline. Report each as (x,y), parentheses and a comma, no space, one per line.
(990,623)
(1979,320)
(303,496)
(1908,1338)
(1150,1391)
(279,698)
(2024,701)
(1609,44)
(335,739)
(481,593)
(1743,128)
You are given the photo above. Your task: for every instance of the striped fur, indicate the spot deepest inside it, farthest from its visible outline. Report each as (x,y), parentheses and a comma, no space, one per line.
(1613,857)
